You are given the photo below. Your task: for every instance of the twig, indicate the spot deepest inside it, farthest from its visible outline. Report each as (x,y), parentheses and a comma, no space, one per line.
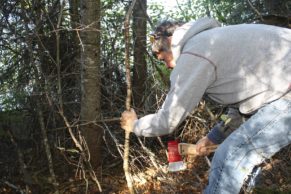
(47,146)
(81,146)
(150,154)
(58,61)
(82,152)
(255,10)
(208,110)
(23,168)
(113,137)
(43,128)
(14,187)
(207,161)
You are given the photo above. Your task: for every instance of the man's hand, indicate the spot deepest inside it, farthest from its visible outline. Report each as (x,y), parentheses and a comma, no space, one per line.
(204,146)
(127,120)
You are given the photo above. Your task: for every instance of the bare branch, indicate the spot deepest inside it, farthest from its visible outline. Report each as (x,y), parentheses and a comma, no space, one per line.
(128,98)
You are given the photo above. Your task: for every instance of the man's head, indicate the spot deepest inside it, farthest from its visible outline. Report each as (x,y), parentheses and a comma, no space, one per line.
(161,41)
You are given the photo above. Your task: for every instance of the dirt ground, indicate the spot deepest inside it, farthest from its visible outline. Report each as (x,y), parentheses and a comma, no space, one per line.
(274,178)
(148,165)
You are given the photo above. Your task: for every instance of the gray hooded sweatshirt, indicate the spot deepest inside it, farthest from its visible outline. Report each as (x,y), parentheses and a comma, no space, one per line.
(247,65)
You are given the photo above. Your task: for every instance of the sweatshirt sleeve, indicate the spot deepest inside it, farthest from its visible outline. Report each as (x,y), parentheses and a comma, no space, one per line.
(229,122)
(189,80)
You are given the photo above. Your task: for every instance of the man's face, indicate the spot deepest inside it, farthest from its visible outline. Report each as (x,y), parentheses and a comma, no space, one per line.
(163,51)
(166,57)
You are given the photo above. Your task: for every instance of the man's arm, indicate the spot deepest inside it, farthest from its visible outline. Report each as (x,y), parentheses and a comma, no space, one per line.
(189,80)
(228,123)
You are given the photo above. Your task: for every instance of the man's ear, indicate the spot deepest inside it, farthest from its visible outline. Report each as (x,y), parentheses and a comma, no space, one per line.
(168,42)
(169,39)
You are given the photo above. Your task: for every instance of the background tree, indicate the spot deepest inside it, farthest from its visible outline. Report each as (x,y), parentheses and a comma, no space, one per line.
(45,47)
(90,78)
(140,52)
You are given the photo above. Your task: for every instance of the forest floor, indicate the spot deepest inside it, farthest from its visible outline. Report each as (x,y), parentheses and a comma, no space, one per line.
(275,177)
(148,166)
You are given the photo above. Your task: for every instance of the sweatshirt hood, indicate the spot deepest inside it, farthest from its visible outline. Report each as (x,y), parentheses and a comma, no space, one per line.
(187,31)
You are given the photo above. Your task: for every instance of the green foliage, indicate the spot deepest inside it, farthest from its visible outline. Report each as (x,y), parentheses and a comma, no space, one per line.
(9,119)
(24,27)
(13,100)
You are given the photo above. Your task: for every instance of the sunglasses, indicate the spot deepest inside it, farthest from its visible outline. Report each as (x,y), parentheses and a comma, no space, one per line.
(154,37)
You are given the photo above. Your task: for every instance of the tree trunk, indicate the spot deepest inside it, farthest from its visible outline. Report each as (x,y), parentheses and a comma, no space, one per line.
(90,77)
(74,13)
(140,65)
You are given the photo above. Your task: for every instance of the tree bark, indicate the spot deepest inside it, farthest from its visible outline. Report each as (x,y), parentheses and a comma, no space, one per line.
(90,77)
(140,65)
